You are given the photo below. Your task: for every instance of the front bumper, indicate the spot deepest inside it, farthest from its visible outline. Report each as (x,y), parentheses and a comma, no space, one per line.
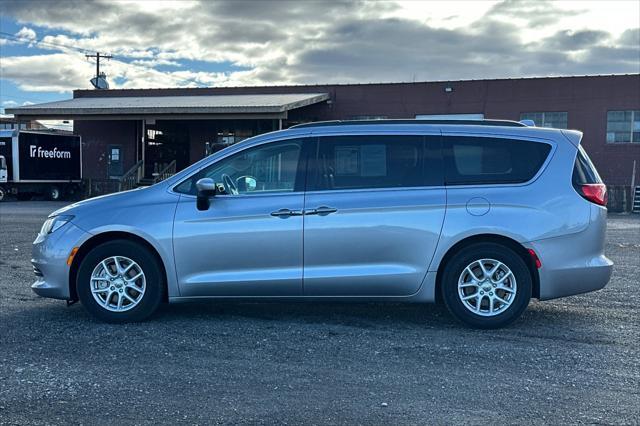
(49,258)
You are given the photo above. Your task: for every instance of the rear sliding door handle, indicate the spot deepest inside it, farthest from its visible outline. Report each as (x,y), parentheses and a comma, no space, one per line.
(286,213)
(322,211)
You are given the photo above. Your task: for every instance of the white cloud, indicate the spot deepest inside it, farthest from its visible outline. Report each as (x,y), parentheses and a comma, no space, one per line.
(9,104)
(26,33)
(321,42)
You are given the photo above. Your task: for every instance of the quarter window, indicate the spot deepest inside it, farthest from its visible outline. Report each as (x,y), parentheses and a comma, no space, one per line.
(483,160)
(556,120)
(623,126)
(361,162)
(269,168)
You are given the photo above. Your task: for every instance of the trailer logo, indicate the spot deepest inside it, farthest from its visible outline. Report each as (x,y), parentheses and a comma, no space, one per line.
(38,152)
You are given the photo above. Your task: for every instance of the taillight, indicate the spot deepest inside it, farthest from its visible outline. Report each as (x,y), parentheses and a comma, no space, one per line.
(594,192)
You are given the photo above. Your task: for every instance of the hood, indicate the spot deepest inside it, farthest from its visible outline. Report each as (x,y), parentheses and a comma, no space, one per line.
(91,203)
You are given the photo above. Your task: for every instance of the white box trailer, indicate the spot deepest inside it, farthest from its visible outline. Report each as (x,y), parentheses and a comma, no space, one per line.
(37,162)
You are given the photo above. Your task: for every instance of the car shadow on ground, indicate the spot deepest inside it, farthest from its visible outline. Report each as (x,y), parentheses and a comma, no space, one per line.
(366,315)
(543,320)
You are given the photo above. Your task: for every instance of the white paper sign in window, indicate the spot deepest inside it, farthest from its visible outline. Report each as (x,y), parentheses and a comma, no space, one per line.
(347,160)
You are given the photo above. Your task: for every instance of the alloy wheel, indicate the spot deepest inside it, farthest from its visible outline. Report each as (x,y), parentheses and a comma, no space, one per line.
(118,284)
(487,287)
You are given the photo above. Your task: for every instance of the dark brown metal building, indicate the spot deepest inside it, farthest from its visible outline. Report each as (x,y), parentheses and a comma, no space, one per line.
(153,127)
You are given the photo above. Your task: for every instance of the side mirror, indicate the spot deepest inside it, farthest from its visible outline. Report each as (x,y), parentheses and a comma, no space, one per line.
(206,189)
(246,183)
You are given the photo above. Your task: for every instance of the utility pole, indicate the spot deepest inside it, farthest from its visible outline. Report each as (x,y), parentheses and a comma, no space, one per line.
(98,56)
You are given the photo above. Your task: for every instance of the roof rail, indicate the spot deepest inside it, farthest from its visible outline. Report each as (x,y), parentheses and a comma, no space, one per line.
(504,123)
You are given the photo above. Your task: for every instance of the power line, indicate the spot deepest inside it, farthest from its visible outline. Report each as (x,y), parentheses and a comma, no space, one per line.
(42,42)
(88,53)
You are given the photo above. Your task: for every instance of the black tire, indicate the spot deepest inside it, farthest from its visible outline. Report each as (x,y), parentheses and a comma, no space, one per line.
(454,269)
(2,193)
(54,193)
(154,281)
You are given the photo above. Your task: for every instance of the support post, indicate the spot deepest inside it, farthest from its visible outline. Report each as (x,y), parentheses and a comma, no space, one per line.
(143,138)
(633,185)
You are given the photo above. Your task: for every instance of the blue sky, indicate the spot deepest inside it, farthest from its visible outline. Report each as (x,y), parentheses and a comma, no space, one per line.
(9,90)
(193,43)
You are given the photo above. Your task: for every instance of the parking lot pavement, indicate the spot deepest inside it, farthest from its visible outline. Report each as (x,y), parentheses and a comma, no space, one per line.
(574,360)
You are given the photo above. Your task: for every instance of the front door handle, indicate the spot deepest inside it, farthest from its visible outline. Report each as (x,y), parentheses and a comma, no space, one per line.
(286,213)
(322,211)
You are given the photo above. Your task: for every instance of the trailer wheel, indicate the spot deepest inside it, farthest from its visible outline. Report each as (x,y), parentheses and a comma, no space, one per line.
(2,193)
(54,193)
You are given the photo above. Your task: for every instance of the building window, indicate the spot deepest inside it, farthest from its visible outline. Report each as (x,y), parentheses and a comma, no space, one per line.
(556,120)
(623,126)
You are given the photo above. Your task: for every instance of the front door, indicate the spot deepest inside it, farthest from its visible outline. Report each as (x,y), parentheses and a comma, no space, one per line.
(249,241)
(373,213)
(115,161)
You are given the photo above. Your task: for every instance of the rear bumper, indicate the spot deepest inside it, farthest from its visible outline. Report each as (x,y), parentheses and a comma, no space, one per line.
(49,257)
(575,279)
(574,263)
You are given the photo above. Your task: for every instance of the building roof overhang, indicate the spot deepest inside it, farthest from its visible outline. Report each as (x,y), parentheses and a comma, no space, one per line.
(170,107)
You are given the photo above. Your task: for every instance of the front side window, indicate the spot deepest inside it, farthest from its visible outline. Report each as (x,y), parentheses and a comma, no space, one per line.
(623,126)
(363,162)
(484,160)
(556,120)
(269,168)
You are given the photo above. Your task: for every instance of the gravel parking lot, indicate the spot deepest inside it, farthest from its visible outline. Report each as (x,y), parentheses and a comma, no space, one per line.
(574,360)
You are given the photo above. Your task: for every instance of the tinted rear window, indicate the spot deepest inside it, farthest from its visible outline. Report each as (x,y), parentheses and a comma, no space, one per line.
(584,171)
(483,160)
(359,162)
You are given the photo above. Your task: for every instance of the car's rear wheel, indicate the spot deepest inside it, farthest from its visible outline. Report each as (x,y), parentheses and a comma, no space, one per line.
(53,193)
(120,281)
(486,285)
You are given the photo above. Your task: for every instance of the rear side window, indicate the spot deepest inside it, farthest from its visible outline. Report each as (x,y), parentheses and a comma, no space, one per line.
(484,160)
(362,162)
(584,172)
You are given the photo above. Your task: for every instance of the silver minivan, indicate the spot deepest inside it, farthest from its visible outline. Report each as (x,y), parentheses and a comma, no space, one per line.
(481,216)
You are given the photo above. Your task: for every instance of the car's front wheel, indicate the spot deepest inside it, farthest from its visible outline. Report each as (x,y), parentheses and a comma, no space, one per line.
(486,285)
(120,281)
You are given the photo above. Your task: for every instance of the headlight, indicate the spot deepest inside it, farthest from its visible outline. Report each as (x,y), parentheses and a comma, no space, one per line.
(54,223)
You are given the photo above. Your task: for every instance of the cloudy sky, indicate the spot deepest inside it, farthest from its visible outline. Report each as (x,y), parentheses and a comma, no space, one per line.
(215,43)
